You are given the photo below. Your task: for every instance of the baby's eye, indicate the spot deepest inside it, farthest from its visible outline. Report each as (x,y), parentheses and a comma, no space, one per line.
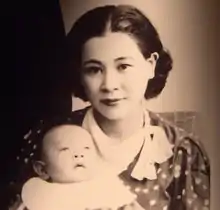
(64,149)
(124,66)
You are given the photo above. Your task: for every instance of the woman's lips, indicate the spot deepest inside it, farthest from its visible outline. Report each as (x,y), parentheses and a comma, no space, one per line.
(111,102)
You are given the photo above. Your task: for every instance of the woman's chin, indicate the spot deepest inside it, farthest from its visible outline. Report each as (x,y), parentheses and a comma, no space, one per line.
(114,114)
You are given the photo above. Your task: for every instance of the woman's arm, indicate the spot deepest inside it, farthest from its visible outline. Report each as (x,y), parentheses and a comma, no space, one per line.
(191,172)
(18,204)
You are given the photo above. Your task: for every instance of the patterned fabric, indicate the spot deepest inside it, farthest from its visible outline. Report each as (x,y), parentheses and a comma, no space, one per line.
(182,183)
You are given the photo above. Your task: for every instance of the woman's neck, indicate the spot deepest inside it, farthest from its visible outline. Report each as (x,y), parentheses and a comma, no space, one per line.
(123,128)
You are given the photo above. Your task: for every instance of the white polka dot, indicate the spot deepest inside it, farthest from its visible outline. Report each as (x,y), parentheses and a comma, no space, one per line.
(171,165)
(206,202)
(156,187)
(183,192)
(18,158)
(159,170)
(177,171)
(145,191)
(186,172)
(189,151)
(35,146)
(189,201)
(29,142)
(180,152)
(186,143)
(32,154)
(153,202)
(177,174)
(38,131)
(177,167)
(165,207)
(27,135)
(192,188)
(22,150)
(189,159)
(203,167)
(204,187)
(178,197)
(26,160)
(164,176)
(198,180)
(195,196)
(137,189)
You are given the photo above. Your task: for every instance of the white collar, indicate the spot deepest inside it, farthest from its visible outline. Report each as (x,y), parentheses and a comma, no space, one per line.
(154,150)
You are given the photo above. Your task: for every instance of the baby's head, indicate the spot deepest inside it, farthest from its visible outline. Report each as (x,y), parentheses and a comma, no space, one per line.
(67,155)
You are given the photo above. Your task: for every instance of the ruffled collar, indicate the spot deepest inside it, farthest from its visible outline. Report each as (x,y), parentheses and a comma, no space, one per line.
(151,141)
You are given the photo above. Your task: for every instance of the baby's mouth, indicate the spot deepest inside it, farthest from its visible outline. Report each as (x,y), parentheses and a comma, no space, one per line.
(79,165)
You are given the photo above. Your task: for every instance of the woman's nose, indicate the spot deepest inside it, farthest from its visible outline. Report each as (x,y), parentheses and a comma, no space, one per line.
(110,81)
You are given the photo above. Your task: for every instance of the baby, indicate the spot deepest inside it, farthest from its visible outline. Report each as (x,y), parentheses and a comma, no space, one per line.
(71,175)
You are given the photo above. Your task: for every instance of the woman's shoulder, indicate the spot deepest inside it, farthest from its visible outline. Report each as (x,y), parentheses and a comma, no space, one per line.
(181,139)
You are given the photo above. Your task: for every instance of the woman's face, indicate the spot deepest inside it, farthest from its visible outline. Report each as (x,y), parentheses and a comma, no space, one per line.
(115,74)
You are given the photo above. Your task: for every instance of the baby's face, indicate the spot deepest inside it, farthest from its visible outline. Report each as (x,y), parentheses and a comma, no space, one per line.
(69,154)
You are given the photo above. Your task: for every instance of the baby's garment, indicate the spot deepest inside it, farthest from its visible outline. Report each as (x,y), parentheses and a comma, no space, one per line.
(108,192)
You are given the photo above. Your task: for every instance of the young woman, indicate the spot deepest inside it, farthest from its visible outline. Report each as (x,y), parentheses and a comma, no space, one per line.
(117,62)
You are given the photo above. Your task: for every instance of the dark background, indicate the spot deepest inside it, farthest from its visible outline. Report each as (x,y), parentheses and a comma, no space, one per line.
(39,75)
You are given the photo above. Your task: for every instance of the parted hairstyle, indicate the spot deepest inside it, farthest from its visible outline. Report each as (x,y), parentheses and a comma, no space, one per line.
(124,19)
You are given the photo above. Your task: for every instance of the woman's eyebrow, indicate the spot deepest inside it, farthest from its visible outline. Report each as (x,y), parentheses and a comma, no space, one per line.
(124,58)
(94,61)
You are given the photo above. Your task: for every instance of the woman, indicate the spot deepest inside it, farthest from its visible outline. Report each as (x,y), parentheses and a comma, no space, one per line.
(117,62)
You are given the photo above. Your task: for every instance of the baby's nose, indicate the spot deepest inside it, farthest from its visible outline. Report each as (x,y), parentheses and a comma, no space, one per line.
(78,156)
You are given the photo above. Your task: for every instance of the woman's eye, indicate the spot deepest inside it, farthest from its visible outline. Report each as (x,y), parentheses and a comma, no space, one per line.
(123,67)
(92,70)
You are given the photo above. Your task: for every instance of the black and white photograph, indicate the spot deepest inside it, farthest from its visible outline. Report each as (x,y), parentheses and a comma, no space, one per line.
(114,106)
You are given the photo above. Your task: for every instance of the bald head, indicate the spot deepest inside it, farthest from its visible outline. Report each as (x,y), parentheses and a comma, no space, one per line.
(68,154)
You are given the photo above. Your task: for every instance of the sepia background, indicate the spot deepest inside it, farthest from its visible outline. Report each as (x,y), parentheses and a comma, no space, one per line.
(189,29)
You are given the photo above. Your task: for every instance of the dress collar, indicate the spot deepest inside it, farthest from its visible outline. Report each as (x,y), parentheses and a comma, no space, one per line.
(151,141)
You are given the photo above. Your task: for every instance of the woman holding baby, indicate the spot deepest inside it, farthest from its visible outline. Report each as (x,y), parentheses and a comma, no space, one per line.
(116,61)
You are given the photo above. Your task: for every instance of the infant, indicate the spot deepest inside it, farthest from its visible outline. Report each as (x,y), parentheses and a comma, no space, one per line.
(72,175)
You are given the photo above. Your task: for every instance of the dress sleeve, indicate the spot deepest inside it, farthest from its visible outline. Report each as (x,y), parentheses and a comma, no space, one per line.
(191,176)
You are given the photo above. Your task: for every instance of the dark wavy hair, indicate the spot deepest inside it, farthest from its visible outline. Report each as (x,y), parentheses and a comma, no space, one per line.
(124,19)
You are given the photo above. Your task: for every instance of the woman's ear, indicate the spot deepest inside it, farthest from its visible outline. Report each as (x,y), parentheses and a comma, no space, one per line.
(40,169)
(152,60)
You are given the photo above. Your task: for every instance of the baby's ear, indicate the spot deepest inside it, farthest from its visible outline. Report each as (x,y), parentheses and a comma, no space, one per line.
(40,169)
